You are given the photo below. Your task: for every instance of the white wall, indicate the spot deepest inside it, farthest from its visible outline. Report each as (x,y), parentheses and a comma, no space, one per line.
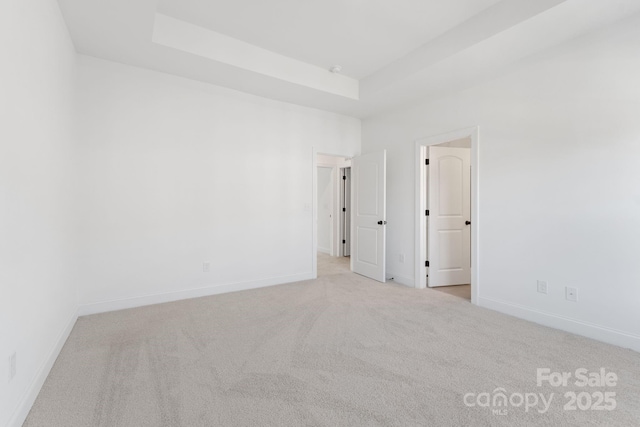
(177,172)
(38,298)
(325,208)
(559,182)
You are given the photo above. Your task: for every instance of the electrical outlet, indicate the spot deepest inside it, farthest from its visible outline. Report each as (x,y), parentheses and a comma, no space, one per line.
(206,267)
(401,257)
(571,294)
(542,286)
(12,366)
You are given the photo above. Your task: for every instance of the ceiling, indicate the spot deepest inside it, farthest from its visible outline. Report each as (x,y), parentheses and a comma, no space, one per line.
(360,35)
(391,52)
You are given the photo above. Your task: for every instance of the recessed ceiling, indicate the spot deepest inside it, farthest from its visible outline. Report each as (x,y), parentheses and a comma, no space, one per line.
(361,35)
(391,52)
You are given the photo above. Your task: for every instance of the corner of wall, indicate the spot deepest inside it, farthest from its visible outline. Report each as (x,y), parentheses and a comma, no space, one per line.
(403,280)
(29,397)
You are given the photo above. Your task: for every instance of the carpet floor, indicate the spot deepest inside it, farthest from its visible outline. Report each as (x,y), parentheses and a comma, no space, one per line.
(341,350)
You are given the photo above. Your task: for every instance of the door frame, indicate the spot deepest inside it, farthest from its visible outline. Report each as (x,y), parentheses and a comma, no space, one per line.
(314,203)
(343,228)
(421,254)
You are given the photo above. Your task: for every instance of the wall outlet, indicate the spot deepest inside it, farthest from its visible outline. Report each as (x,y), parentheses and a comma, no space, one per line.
(401,257)
(206,267)
(542,286)
(571,294)
(12,366)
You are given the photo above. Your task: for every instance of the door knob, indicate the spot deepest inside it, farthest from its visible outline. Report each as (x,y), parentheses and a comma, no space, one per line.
(467,223)
(382,222)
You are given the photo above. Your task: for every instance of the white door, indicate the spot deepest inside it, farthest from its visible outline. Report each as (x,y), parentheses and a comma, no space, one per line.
(368,177)
(449,229)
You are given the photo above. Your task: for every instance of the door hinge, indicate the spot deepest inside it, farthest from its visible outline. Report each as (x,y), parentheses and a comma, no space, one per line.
(344,177)
(426,263)
(426,213)
(426,161)
(344,241)
(344,209)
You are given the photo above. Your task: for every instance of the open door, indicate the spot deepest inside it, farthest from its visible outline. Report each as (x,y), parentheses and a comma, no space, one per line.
(449,229)
(369,177)
(345,211)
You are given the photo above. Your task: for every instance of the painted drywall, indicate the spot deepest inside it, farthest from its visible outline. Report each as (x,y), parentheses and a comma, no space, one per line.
(325,208)
(38,298)
(177,173)
(559,198)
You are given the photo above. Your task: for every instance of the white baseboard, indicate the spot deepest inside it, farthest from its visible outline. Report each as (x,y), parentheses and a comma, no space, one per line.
(589,330)
(30,395)
(324,250)
(139,301)
(403,280)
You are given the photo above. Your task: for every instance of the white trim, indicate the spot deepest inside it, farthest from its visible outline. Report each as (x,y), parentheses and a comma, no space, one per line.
(30,395)
(402,280)
(420,219)
(139,301)
(567,324)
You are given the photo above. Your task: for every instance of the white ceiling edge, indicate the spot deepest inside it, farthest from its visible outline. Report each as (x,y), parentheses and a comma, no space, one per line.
(361,35)
(494,20)
(190,38)
(500,53)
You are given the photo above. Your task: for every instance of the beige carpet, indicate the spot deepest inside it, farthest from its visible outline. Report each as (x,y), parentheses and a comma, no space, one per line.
(338,351)
(460,291)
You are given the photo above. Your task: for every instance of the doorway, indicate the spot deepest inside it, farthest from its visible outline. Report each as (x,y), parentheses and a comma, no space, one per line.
(447,219)
(333,214)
